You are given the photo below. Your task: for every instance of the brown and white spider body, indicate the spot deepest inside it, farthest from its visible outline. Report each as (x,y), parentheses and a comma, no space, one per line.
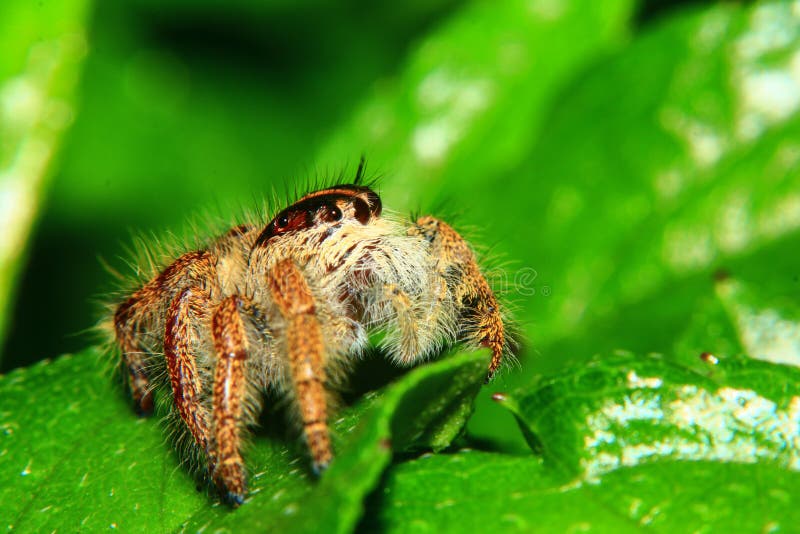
(287,306)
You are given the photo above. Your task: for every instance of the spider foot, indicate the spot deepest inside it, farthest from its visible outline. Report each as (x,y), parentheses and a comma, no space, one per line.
(234,499)
(320,467)
(231,483)
(144,405)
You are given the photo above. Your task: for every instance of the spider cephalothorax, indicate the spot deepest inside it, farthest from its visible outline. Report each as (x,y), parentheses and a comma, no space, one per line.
(287,306)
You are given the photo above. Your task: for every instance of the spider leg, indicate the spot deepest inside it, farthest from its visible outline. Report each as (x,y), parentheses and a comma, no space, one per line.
(135,316)
(305,348)
(408,337)
(230,344)
(126,320)
(418,330)
(180,338)
(471,290)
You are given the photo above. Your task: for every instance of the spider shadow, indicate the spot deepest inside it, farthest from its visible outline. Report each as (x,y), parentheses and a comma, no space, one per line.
(371,372)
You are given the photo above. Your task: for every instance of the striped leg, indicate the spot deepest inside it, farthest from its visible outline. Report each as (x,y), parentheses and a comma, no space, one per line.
(180,338)
(135,315)
(305,348)
(230,344)
(125,326)
(472,291)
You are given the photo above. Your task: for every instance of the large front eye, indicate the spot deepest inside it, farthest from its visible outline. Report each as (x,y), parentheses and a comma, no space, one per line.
(283,221)
(336,214)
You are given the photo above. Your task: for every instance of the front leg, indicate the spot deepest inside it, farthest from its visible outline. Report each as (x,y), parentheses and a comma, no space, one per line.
(230,345)
(471,290)
(305,348)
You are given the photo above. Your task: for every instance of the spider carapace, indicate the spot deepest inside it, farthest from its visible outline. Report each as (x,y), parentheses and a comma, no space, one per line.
(287,307)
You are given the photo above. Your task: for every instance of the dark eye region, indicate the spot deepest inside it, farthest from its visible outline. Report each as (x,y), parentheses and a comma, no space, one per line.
(333,214)
(323,207)
(366,203)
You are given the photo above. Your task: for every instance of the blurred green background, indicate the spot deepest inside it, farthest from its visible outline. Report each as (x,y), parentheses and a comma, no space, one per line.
(183,108)
(599,152)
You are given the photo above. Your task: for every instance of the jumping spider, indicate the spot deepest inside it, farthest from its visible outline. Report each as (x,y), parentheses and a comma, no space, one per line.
(287,306)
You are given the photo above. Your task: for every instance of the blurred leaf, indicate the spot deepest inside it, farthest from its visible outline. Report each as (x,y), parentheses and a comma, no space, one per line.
(626,442)
(220,104)
(672,162)
(766,332)
(697,165)
(43,47)
(380,14)
(473,95)
(73,445)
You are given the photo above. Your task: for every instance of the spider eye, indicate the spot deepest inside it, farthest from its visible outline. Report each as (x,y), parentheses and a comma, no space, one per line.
(362,210)
(283,221)
(336,214)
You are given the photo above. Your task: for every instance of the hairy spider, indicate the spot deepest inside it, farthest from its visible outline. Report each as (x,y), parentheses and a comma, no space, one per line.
(287,306)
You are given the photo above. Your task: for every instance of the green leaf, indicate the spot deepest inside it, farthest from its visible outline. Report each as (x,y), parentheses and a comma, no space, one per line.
(43,47)
(625,410)
(648,183)
(625,441)
(667,441)
(74,456)
(467,491)
(624,221)
(474,93)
